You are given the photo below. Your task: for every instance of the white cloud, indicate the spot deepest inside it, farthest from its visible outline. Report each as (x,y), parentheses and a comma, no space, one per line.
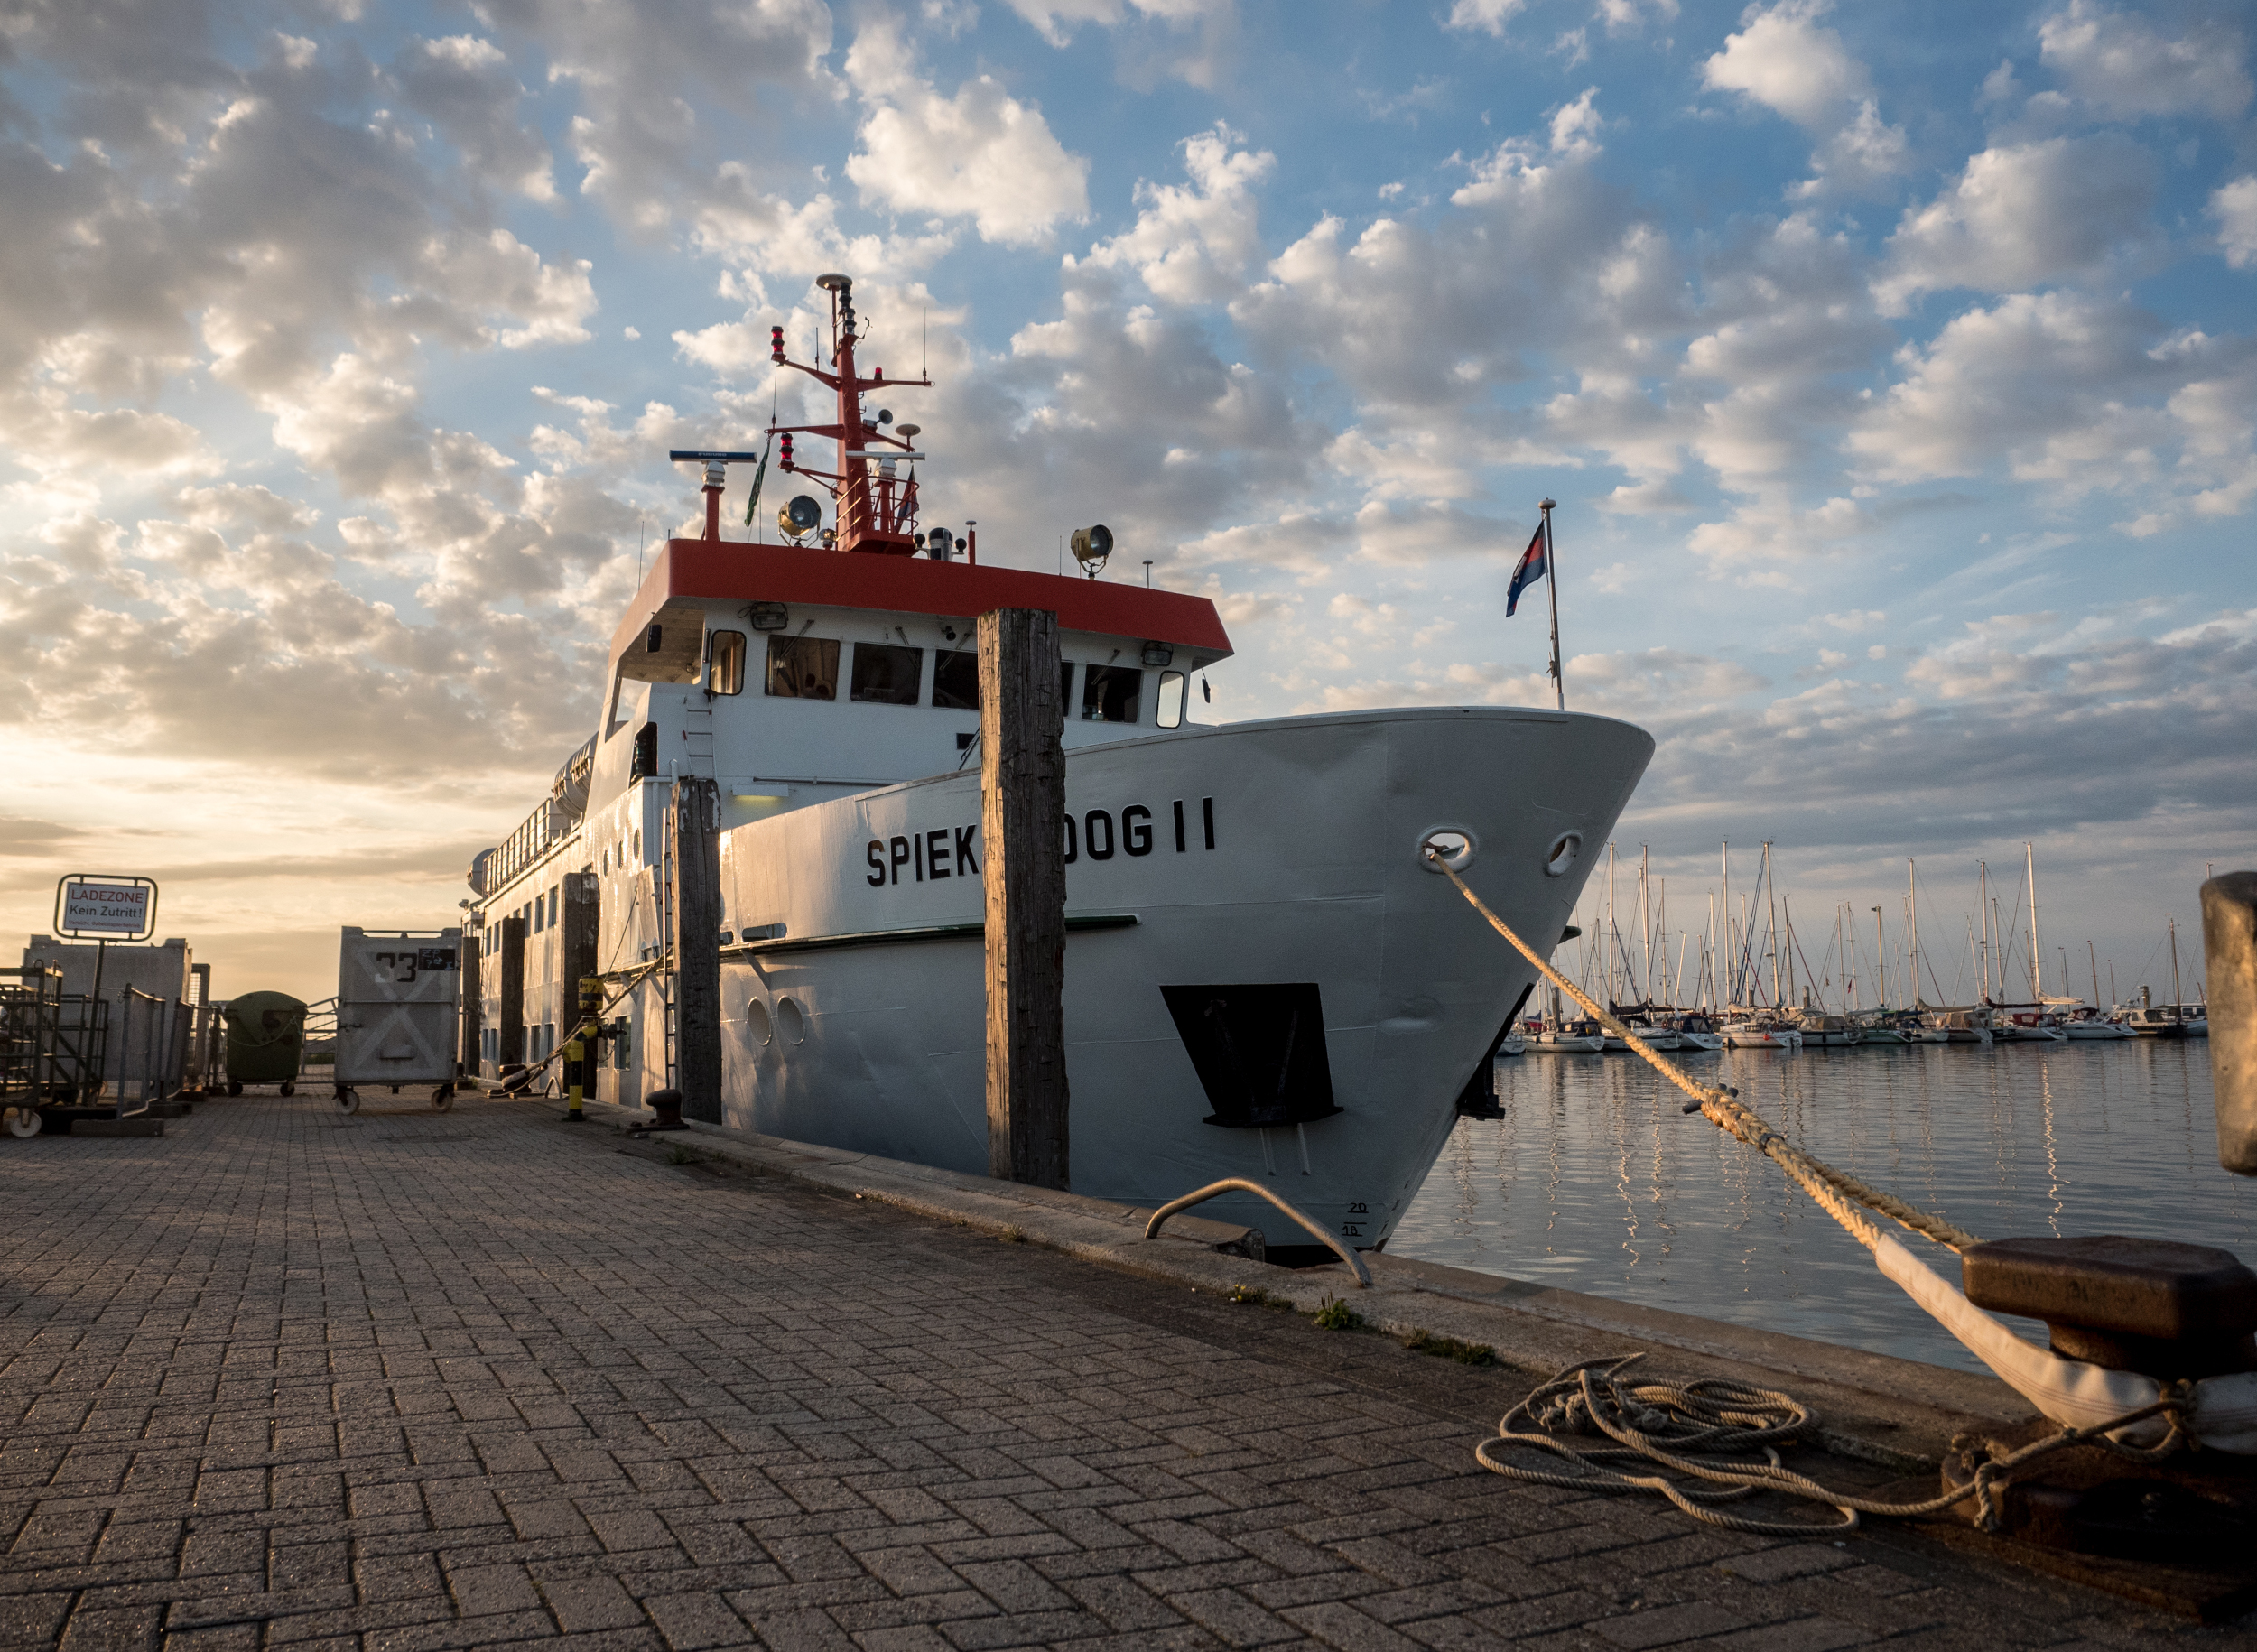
(2025,214)
(980,154)
(1487,15)
(1575,127)
(1056,20)
(645,148)
(1782,60)
(2234,206)
(2121,63)
(2080,396)
(464,85)
(1194,246)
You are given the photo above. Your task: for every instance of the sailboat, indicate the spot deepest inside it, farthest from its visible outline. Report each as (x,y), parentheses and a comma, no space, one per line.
(2177,1018)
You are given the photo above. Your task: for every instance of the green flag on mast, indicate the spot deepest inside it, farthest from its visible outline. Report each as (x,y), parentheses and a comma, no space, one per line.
(759,477)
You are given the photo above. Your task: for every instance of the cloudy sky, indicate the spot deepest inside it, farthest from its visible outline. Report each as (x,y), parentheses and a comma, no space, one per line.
(1895,366)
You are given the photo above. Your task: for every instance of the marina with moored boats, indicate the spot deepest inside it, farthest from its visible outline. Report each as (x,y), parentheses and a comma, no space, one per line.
(1742,990)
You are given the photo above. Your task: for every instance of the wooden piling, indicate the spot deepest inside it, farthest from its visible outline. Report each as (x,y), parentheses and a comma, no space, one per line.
(576,959)
(694,912)
(512,990)
(470,1024)
(1022,812)
(2229,945)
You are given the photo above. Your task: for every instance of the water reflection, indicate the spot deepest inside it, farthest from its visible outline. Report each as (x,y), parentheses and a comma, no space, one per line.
(1596,1181)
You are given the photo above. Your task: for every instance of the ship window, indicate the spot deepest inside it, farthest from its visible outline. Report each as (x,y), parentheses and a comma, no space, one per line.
(885,674)
(803,668)
(956,680)
(1173,686)
(725,674)
(1109,693)
(1065,687)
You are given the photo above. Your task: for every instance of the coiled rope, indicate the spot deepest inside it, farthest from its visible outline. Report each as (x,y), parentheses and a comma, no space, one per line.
(1695,1428)
(1676,1426)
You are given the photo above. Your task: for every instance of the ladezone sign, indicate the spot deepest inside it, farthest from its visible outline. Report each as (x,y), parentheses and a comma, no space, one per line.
(109,908)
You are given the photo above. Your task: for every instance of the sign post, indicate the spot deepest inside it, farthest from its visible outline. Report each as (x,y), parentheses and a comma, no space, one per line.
(106,908)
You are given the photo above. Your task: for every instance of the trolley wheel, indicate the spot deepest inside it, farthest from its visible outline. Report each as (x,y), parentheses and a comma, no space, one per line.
(23,1121)
(443,1098)
(288,1087)
(234,1087)
(348,1099)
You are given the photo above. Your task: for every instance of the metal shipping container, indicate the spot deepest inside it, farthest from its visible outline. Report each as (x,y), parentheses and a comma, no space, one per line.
(399,996)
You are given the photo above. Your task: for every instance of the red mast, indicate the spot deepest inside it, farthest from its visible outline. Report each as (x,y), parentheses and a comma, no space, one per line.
(873,512)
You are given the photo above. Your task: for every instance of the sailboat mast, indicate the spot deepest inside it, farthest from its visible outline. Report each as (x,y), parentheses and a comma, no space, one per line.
(2173,924)
(1708,957)
(2030,864)
(1787,915)
(1732,992)
(1880,957)
(1912,922)
(2093,958)
(1770,933)
(1608,973)
(1645,929)
(1982,900)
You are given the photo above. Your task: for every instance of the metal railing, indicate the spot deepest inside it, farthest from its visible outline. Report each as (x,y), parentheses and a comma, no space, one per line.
(53,1044)
(151,1049)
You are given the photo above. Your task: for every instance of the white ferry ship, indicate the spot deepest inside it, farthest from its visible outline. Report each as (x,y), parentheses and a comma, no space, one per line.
(1264,976)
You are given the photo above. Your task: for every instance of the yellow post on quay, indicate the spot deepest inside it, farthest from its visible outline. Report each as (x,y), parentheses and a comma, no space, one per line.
(575,1050)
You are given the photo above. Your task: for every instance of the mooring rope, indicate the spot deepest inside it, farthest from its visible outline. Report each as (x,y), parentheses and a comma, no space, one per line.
(520,1080)
(1676,1426)
(1696,1427)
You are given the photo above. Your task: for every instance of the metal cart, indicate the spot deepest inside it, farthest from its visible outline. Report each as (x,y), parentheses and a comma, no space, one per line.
(53,1047)
(399,996)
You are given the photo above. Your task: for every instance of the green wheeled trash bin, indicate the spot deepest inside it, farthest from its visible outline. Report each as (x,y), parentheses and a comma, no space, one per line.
(266,1035)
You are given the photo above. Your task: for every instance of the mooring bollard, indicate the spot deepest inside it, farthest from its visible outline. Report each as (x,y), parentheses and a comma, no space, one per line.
(2229,945)
(576,1049)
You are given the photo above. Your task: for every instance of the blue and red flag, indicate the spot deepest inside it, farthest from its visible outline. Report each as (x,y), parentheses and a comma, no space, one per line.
(1532,566)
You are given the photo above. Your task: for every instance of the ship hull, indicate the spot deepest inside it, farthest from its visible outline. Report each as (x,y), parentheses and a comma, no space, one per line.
(857,1020)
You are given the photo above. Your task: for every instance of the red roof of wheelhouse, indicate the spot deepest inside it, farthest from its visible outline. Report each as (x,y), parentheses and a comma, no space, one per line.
(720,570)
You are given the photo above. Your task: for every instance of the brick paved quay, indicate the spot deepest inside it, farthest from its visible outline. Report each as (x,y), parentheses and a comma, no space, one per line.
(406,1379)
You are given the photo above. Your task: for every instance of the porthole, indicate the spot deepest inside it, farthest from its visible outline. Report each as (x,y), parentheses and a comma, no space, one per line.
(1561,857)
(756,1022)
(1450,845)
(790,1021)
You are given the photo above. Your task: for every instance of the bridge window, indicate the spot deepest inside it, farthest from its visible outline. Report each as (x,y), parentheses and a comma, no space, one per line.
(803,668)
(956,680)
(885,674)
(725,673)
(1111,693)
(1174,687)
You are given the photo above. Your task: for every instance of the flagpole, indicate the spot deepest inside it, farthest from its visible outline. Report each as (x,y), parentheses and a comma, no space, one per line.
(1551,569)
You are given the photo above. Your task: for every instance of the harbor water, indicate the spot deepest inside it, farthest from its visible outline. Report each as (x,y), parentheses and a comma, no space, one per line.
(1595,1180)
